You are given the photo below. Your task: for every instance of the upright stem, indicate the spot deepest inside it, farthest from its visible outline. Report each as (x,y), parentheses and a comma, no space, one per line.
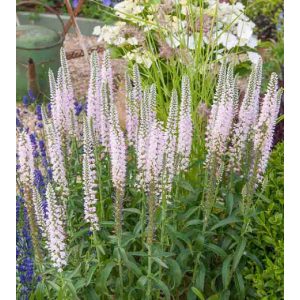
(149,283)
(163,220)
(143,215)
(120,266)
(118,221)
(150,236)
(99,177)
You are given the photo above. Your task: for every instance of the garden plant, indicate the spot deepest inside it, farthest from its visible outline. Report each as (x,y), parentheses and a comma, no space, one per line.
(176,195)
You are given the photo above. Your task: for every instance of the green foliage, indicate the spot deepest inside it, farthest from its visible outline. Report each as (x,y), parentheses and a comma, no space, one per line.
(266,14)
(267,242)
(90,9)
(274,58)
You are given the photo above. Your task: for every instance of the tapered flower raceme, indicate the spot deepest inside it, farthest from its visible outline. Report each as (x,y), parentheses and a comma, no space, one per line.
(154,167)
(151,104)
(247,119)
(171,144)
(218,94)
(155,155)
(132,120)
(137,85)
(56,103)
(26,160)
(39,211)
(105,117)
(218,134)
(62,100)
(56,157)
(89,177)
(26,175)
(65,103)
(264,129)
(185,127)
(134,99)
(118,152)
(107,74)
(118,166)
(142,143)
(94,98)
(55,230)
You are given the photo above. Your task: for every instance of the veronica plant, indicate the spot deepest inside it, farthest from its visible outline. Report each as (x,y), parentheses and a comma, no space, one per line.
(135,212)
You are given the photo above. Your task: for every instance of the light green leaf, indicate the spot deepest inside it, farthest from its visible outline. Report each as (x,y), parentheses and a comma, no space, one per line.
(90,274)
(160,262)
(198,293)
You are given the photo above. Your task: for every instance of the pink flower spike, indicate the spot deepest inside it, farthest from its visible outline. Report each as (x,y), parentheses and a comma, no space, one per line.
(185,127)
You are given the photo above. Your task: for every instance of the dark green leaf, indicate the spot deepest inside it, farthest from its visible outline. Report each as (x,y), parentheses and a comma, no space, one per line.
(175,271)
(162,286)
(132,210)
(229,203)
(238,253)
(75,272)
(229,220)
(239,282)
(226,274)
(200,278)
(193,222)
(104,274)
(216,249)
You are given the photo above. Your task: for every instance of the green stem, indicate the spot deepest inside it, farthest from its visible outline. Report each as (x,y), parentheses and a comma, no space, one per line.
(118,221)
(99,177)
(149,273)
(120,265)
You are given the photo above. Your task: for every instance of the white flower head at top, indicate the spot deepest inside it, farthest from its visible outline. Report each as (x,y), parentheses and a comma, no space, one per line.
(126,8)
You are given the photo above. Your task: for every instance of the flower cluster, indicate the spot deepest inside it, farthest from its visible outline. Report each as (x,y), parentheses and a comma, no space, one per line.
(62,100)
(185,129)
(264,128)
(100,96)
(56,156)
(235,28)
(221,120)
(89,177)
(158,149)
(247,118)
(55,230)
(27,177)
(117,152)
(220,23)
(244,136)
(169,170)
(118,165)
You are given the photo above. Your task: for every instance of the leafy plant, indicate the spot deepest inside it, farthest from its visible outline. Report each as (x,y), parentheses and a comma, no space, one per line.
(266,276)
